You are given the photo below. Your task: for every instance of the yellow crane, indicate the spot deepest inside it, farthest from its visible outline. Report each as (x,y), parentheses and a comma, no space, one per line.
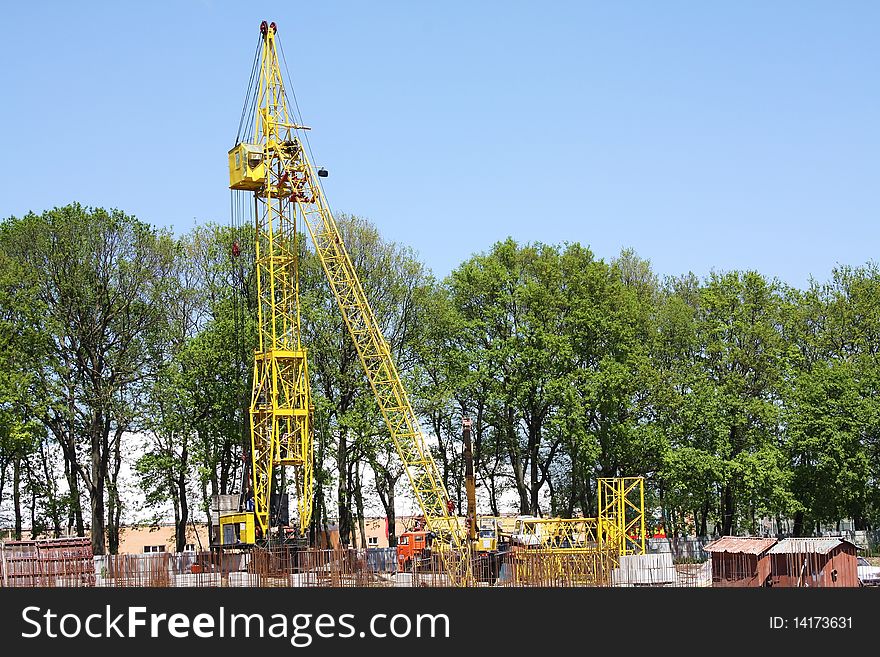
(272,165)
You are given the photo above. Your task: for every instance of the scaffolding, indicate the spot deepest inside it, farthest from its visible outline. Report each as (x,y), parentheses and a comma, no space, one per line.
(622,514)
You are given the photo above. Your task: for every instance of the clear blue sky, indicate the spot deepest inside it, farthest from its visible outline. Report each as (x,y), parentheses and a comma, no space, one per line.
(703,135)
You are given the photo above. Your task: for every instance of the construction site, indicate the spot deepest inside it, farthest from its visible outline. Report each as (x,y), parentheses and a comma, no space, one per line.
(262,533)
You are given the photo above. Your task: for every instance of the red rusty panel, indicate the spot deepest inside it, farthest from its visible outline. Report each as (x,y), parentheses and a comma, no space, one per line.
(741,544)
(739,570)
(832,569)
(48,562)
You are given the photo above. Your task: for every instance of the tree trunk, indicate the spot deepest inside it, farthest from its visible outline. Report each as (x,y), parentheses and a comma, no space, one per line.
(98,525)
(574,487)
(342,489)
(75,515)
(359,504)
(534,483)
(798,529)
(114,502)
(63,428)
(180,527)
(318,506)
(52,491)
(516,463)
(215,491)
(443,452)
(96,491)
(389,514)
(226,463)
(318,534)
(324,528)
(385,489)
(727,511)
(672,532)
(206,506)
(35,531)
(589,503)
(16,495)
(2,480)
(493,496)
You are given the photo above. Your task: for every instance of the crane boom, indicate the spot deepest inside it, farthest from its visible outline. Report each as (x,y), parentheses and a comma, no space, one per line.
(380,369)
(290,179)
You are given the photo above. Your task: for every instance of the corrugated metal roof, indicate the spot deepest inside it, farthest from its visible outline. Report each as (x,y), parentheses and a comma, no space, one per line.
(820,545)
(741,544)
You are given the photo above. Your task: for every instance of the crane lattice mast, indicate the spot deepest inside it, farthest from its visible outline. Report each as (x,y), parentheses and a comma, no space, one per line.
(280,410)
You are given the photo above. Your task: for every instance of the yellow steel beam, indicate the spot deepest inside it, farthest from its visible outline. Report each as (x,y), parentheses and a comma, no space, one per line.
(622,514)
(281,409)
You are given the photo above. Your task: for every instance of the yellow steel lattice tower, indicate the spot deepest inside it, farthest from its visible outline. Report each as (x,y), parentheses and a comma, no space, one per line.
(280,411)
(280,173)
(622,514)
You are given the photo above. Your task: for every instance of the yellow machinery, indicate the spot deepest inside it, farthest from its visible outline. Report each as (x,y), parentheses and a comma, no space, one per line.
(562,534)
(559,552)
(619,527)
(237,528)
(271,163)
(582,550)
(488,534)
(622,514)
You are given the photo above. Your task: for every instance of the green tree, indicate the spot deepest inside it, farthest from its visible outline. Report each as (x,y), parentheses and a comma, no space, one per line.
(742,364)
(608,414)
(196,403)
(99,276)
(831,400)
(512,312)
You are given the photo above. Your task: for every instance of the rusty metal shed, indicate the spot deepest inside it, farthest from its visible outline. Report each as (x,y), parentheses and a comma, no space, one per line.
(740,560)
(814,562)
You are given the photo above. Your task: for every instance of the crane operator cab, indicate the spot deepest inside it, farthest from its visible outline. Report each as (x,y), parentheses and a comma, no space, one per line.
(247,170)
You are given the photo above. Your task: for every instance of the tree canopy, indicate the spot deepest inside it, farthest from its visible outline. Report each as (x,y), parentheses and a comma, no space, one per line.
(739,398)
